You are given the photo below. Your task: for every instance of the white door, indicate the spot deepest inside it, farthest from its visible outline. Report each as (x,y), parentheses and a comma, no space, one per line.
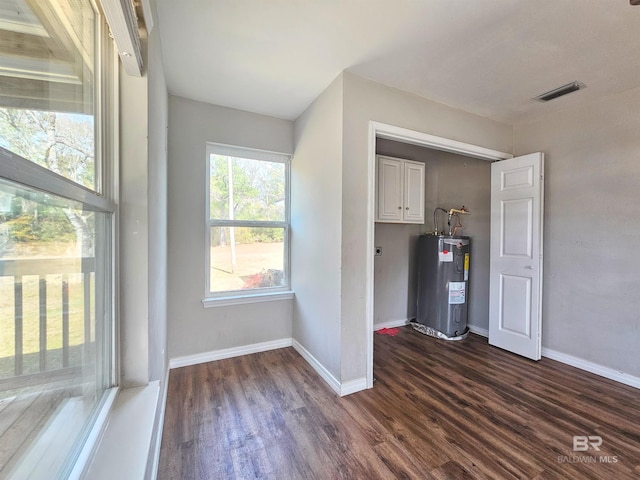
(414,192)
(389,190)
(515,306)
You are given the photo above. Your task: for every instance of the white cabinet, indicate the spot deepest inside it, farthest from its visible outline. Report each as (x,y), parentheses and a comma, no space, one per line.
(400,190)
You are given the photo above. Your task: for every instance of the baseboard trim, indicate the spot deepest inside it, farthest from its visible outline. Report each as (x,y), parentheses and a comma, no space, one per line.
(595,368)
(391,324)
(483,332)
(320,369)
(580,363)
(353,386)
(342,389)
(214,355)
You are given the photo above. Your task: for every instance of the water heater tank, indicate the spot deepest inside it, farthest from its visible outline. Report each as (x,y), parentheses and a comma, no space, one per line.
(443,284)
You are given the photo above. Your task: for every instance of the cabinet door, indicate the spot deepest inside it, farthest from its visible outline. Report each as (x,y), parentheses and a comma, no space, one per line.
(413,211)
(389,190)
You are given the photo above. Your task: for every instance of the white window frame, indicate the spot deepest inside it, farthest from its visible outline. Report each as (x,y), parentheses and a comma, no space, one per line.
(265,294)
(104,199)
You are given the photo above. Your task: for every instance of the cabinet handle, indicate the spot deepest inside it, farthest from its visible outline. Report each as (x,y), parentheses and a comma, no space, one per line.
(399,208)
(406,208)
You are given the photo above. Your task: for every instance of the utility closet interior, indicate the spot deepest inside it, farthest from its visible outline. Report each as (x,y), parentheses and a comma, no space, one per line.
(451,181)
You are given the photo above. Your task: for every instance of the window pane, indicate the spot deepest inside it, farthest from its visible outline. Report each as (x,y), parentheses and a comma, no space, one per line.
(48,77)
(246,258)
(245,189)
(54,291)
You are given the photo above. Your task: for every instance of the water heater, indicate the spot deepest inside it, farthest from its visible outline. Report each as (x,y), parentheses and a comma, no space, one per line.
(443,285)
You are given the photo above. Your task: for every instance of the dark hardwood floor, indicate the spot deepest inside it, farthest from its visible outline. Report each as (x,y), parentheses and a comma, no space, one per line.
(437,411)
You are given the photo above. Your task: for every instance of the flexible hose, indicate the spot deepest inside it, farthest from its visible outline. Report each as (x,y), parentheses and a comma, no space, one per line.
(435,222)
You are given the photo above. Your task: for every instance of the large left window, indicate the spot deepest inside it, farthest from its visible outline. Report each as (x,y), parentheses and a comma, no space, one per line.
(57,339)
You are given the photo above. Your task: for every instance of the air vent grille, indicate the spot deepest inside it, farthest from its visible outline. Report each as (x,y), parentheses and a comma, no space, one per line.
(560,91)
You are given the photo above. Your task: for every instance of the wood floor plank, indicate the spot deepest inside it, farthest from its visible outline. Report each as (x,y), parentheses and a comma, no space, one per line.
(438,410)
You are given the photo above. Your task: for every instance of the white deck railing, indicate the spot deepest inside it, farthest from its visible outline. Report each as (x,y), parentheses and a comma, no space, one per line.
(81,271)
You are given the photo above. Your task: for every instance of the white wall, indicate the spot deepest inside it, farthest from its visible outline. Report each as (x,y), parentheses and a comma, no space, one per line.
(364,101)
(316,202)
(158,115)
(192,329)
(591,230)
(451,181)
(158,118)
(134,232)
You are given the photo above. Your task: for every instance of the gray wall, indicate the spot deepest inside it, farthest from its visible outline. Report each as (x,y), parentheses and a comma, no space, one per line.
(158,118)
(451,181)
(143,220)
(157,179)
(134,232)
(316,203)
(365,101)
(591,230)
(193,329)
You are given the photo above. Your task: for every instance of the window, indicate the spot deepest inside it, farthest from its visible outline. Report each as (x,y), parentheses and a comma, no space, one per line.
(48,70)
(247,221)
(56,234)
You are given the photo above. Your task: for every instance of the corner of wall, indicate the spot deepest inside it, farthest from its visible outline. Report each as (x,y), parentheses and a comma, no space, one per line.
(316,224)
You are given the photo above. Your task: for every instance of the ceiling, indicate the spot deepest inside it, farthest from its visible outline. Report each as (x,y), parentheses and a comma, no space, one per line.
(489,57)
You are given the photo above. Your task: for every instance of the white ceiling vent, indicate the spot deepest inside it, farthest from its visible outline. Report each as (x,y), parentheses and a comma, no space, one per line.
(123,24)
(560,91)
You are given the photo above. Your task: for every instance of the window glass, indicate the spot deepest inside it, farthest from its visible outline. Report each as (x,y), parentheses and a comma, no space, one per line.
(54,287)
(246,189)
(56,295)
(48,76)
(244,258)
(248,220)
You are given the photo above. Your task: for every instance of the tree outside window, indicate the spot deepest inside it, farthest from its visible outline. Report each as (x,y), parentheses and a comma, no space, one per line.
(248,226)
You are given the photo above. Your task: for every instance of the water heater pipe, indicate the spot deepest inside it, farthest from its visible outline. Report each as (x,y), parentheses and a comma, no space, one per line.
(450,213)
(462,210)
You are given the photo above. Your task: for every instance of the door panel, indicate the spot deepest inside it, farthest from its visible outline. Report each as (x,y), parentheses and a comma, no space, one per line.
(515,305)
(517,231)
(517,178)
(515,317)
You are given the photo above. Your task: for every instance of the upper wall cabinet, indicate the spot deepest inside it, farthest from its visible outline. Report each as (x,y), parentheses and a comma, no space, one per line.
(400,190)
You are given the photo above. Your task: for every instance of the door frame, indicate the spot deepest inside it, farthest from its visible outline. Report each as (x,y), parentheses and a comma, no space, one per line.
(413,137)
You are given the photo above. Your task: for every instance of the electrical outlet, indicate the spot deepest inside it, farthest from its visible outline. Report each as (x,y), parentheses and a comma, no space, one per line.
(378,251)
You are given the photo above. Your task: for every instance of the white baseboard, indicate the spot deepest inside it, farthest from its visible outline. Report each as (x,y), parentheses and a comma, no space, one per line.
(353,386)
(228,353)
(342,389)
(582,364)
(483,332)
(391,324)
(402,322)
(320,369)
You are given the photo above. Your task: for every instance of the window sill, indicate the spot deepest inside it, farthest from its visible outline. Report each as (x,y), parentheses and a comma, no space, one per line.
(125,446)
(212,302)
